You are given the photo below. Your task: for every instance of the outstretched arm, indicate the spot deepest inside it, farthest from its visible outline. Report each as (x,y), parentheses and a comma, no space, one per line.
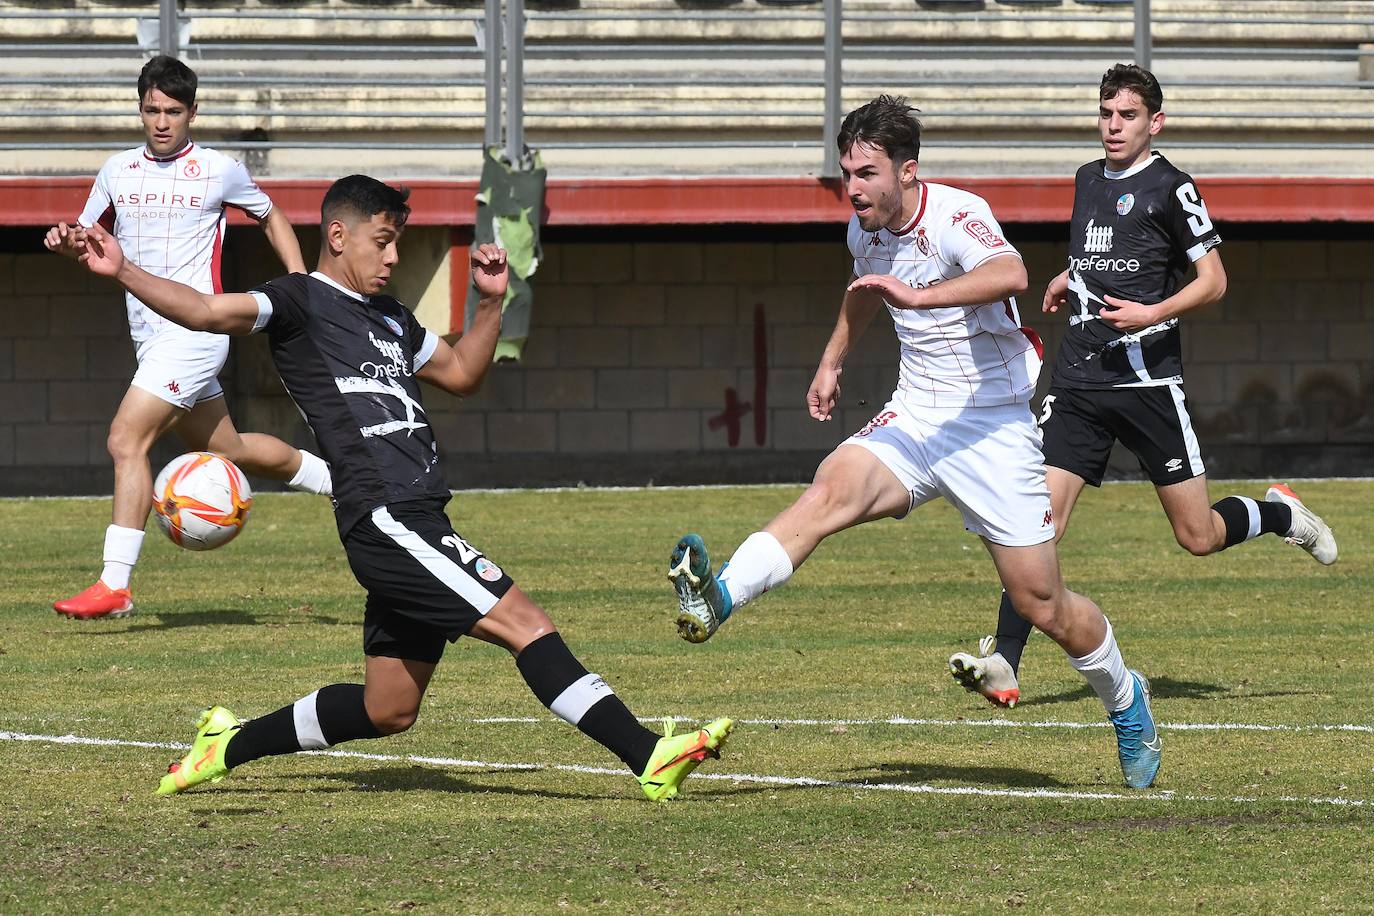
(459,368)
(860,305)
(233,313)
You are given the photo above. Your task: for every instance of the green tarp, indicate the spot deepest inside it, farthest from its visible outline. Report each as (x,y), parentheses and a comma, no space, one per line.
(510,203)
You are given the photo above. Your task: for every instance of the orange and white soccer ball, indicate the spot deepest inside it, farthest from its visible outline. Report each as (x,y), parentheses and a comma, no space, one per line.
(201,500)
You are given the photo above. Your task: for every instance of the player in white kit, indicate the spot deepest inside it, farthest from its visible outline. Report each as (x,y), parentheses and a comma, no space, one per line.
(958,425)
(165,201)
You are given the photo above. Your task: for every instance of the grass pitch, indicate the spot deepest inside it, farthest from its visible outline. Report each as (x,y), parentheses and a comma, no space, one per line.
(860,777)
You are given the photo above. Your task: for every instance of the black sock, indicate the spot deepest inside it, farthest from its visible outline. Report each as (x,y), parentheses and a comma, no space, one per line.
(1247,518)
(584,700)
(1012,632)
(329,716)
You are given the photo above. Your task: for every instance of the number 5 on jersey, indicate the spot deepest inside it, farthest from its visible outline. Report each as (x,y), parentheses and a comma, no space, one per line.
(1192,204)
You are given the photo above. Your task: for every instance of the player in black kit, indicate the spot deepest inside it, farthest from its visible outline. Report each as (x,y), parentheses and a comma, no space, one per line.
(1138,222)
(351,358)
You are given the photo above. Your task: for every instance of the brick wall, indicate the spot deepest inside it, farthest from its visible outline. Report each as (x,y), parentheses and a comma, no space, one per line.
(688,361)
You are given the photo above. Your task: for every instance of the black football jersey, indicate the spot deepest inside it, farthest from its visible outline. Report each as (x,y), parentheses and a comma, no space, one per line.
(349,363)
(1133,235)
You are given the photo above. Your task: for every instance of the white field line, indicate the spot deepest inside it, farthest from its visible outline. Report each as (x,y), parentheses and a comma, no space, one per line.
(708,486)
(744,778)
(969,723)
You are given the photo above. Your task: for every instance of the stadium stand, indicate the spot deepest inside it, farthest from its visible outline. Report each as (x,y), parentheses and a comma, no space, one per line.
(650,87)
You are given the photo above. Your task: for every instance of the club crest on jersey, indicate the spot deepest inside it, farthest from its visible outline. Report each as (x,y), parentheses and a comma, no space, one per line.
(393,324)
(1124,203)
(191,169)
(922,242)
(985,236)
(1098,238)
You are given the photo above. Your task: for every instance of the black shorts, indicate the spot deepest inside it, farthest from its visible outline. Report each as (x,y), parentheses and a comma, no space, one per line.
(425,584)
(1079,426)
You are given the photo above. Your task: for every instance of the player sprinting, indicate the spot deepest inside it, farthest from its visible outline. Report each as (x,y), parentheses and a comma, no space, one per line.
(352,358)
(957,426)
(1137,224)
(165,202)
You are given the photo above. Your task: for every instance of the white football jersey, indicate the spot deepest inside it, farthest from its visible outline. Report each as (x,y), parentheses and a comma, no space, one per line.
(168,216)
(961,356)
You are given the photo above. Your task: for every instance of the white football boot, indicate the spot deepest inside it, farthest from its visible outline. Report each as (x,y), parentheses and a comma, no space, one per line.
(987,673)
(1308,532)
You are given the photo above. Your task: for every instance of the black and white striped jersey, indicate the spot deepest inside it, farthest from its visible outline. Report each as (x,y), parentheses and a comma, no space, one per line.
(349,363)
(1132,236)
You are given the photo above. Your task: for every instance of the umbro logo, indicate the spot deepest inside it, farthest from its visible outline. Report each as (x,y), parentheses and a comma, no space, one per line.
(1099,238)
(1173,464)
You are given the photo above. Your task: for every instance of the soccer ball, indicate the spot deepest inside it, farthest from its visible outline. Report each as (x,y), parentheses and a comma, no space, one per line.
(201,500)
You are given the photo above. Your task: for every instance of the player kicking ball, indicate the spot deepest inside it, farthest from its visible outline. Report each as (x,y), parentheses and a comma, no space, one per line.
(352,359)
(165,201)
(957,426)
(1138,222)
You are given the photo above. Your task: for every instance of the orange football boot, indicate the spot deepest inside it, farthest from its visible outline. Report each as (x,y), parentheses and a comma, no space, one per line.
(97,601)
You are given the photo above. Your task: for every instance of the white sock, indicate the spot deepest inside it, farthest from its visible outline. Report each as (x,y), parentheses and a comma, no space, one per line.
(313,476)
(1106,673)
(121,553)
(759,564)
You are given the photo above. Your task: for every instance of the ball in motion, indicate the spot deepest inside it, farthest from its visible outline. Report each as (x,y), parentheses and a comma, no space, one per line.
(201,500)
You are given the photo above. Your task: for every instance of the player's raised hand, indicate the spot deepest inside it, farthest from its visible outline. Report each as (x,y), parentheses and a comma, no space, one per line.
(100,253)
(823,393)
(1056,294)
(1128,316)
(65,240)
(490,270)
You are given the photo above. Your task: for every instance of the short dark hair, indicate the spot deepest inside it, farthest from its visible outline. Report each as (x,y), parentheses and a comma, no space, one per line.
(1138,80)
(171,76)
(887,122)
(358,197)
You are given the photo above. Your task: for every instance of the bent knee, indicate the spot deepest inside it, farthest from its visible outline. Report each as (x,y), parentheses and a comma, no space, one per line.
(394,721)
(1198,543)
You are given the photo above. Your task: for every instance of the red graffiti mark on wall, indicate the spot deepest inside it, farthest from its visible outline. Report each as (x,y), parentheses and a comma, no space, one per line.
(735,409)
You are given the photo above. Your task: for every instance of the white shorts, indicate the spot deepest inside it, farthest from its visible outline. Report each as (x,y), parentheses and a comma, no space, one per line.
(180,366)
(984,460)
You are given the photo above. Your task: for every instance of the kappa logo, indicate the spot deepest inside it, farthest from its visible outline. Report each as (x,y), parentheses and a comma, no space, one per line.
(173,387)
(1098,238)
(956,218)
(1049,517)
(984,234)
(191,169)
(135,165)
(1173,464)
(874,240)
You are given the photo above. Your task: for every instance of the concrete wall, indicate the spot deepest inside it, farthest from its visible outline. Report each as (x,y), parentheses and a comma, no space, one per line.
(682,360)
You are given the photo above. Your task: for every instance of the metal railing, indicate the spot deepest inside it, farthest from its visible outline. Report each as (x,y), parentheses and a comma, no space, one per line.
(487,48)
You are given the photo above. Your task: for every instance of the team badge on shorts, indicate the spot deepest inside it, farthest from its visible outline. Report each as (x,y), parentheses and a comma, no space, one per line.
(487,569)
(1124,203)
(394,325)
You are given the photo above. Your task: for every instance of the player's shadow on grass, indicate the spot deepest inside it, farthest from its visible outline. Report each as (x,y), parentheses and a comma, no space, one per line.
(419,778)
(174,620)
(1161,688)
(924,773)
